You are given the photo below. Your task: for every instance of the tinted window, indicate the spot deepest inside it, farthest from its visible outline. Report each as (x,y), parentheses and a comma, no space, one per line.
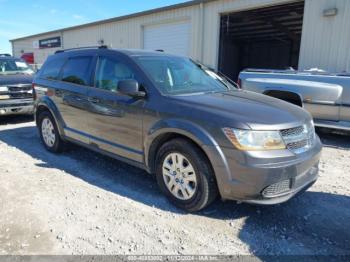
(52,68)
(109,72)
(77,70)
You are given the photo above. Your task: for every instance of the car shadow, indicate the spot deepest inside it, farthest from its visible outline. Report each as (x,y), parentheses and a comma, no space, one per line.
(334,139)
(312,223)
(15,119)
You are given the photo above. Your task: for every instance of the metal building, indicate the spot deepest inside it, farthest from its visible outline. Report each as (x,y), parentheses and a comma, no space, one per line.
(229,35)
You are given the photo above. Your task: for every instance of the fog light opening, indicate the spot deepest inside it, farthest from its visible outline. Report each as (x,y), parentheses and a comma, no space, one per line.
(277,189)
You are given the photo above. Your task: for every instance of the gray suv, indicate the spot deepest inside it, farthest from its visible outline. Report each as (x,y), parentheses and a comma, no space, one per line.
(179,120)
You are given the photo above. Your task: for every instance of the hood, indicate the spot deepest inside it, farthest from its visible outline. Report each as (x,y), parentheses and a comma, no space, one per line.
(244,109)
(15,79)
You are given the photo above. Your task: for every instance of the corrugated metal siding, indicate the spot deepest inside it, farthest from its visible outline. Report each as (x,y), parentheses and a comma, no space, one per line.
(326,40)
(128,33)
(26,45)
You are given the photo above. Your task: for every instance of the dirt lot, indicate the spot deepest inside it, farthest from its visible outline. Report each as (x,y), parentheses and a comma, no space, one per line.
(83,203)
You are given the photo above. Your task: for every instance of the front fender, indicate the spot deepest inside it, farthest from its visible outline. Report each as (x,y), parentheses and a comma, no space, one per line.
(195,133)
(174,126)
(183,127)
(50,105)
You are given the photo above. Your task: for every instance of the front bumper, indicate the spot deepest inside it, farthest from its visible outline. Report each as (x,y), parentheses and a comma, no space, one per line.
(247,176)
(16,107)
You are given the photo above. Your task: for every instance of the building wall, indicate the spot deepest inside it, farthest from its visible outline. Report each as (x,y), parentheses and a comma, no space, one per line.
(326,40)
(204,19)
(26,45)
(213,10)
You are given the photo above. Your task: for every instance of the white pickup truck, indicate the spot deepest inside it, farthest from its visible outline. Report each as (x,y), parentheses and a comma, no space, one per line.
(325,96)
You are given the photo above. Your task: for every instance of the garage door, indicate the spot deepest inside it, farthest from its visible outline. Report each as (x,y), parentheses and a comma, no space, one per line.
(173,38)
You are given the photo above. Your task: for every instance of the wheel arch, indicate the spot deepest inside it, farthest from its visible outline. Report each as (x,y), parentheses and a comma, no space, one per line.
(288,96)
(46,104)
(171,129)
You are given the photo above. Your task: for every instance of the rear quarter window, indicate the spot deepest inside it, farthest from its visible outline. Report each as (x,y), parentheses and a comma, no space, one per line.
(52,68)
(77,71)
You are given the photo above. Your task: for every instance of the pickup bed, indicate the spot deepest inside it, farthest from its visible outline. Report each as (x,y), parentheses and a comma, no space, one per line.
(325,96)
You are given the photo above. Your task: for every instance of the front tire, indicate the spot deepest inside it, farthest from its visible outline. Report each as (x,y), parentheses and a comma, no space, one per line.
(185,176)
(49,133)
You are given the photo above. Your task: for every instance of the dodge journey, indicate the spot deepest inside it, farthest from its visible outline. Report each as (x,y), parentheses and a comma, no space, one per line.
(186,124)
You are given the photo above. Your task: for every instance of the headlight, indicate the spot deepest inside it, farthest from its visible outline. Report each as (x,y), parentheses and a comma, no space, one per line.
(3,89)
(249,140)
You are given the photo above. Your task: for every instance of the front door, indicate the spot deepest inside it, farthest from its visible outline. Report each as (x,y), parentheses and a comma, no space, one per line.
(115,120)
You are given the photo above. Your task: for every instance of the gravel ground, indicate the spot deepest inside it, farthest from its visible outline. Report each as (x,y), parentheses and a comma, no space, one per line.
(83,203)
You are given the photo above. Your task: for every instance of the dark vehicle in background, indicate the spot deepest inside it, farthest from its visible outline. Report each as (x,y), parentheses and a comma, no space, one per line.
(16,94)
(198,134)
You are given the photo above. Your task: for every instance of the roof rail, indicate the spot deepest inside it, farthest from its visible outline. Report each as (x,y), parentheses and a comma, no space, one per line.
(79,48)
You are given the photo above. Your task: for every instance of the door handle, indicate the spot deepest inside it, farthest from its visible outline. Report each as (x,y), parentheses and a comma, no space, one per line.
(94,100)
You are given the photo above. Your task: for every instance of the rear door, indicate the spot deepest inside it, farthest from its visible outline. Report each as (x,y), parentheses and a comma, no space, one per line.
(71,95)
(115,120)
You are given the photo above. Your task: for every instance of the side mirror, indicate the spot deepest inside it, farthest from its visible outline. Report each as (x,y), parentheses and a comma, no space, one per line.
(131,88)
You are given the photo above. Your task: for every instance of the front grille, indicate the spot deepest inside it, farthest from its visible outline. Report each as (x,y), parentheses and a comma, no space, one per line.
(20,95)
(18,91)
(277,189)
(299,139)
(19,88)
(15,105)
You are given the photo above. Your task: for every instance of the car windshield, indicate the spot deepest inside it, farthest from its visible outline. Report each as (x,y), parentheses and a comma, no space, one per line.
(180,76)
(11,66)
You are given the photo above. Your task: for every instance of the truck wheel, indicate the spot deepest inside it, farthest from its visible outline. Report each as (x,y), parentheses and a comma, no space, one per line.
(185,176)
(49,133)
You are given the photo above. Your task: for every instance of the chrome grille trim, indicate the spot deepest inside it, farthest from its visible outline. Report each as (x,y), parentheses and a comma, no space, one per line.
(20,91)
(299,139)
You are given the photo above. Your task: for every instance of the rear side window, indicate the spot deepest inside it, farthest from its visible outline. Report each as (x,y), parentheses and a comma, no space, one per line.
(52,68)
(77,71)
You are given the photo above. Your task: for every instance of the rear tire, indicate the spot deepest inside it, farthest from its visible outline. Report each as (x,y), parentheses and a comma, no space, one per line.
(185,176)
(49,133)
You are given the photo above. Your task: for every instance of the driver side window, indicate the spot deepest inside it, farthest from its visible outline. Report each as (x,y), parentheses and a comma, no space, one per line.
(109,72)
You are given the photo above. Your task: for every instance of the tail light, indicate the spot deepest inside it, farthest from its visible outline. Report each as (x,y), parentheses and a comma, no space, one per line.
(239,83)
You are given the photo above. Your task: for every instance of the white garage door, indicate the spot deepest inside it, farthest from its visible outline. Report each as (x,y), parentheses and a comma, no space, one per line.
(173,38)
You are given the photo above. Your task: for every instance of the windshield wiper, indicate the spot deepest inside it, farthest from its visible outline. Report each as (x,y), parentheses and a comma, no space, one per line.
(228,82)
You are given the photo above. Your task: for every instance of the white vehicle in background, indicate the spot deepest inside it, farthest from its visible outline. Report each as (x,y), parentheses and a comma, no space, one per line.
(326,96)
